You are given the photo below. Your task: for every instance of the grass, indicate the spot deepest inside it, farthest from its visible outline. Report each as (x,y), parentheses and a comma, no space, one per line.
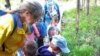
(88,38)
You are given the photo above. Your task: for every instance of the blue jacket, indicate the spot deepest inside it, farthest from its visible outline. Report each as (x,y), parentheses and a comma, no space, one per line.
(42,28)
(42,51)
(46,16)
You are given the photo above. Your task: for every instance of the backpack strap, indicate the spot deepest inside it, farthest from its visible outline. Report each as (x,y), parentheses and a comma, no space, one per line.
(15,22)
(15,25)
(2,12)
(58,10)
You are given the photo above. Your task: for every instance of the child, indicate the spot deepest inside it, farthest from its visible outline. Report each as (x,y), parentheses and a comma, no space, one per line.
(42,30)
(51,32)
(32,36)
(30,48)
(50,7)
(54,17)
(54,21)
(58,44)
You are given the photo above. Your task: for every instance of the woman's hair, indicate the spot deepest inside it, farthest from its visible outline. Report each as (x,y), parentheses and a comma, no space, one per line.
(33,7)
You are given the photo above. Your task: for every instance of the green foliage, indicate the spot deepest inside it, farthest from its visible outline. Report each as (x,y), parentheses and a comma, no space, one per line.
(96,42)
(82,50)
(70,14)
(88,38)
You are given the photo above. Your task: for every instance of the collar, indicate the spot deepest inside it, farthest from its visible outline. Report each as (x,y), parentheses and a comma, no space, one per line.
(50,49)
(18,21)
(43,51)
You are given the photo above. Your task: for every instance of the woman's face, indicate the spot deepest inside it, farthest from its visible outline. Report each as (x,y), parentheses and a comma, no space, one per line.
(28,17)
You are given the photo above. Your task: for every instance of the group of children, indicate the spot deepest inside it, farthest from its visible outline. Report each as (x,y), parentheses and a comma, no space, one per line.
(43,37)
(49,45)
(48,41)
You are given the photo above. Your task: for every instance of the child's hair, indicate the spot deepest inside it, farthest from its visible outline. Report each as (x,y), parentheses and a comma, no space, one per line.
(53,33)
(53,28)
(30,48)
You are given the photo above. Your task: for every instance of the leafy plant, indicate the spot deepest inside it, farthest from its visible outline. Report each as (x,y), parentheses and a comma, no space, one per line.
(87,42)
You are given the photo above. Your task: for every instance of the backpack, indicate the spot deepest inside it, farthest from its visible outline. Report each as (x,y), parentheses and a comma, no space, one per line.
(42,28)
(14,17)
(56,8)
(33,32)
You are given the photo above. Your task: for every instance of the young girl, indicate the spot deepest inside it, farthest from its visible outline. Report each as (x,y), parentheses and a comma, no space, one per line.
(51,32)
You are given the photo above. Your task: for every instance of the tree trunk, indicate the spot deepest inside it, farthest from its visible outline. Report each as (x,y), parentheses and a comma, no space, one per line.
(95,3)
(77,17)
(83,4)
(88,2)
(21,0)
(8,5)
(78,7)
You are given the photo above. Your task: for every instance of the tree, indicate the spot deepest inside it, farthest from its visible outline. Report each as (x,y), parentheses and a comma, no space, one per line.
(21,0)
(77,17)
(83,4)
(8,5)
(95,2)
(87,6)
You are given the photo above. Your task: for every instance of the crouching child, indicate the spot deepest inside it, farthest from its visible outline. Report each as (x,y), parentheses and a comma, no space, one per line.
(57,45)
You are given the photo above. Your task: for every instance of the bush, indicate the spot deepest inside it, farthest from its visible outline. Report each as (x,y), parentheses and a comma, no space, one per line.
(87,41)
